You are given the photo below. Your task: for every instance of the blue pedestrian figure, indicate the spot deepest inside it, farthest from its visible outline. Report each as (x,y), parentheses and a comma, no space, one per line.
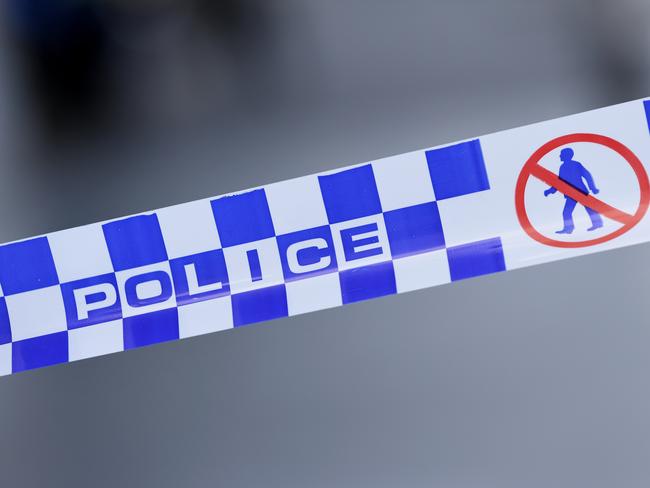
(573,173)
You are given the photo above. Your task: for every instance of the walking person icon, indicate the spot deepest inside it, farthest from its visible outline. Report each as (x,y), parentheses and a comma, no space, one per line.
(575,174)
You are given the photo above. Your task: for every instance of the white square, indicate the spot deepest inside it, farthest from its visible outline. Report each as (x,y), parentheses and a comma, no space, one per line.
(205,316)
(296,205)
(95,340)
(403,181)
(471,217)
(5,359)
(146,289)
(36,313)
(382,244)
(315,293)
(188,229)
(239,269)
(421,271)
(80,253)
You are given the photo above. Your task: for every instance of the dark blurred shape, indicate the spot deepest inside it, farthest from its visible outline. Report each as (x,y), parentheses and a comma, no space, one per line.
(244,29)
(66,52)
(239,20)
(619,47)
(93,64)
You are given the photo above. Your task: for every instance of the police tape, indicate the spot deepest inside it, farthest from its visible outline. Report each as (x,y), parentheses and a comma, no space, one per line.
(516,198)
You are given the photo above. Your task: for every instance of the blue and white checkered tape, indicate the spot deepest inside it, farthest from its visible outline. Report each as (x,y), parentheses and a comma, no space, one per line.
(394,225)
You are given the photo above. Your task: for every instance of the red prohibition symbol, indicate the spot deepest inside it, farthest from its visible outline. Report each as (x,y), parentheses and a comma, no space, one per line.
(532,168)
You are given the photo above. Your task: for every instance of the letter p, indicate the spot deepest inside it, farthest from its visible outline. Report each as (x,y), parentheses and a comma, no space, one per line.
(93,298)
(91,301)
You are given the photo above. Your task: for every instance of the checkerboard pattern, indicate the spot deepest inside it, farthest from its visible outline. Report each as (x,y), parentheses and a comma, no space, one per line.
(293,247)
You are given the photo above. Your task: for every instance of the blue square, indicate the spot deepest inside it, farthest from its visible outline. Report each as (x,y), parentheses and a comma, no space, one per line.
(259,305)
(5,328)
(243,218)
(476,259)
(375,280)
(646,106)
(150,328)
(135,241)
(91,301)
(40,352)
(307,253)
(27,265)
(350,194)
(200,277)
(457,170)
(414,230)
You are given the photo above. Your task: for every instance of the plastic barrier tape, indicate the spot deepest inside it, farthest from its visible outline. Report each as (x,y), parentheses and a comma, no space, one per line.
(516,198)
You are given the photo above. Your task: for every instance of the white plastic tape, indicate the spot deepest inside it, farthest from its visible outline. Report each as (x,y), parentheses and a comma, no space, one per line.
(525,196)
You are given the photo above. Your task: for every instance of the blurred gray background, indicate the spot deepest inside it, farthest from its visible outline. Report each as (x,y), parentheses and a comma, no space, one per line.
(532,378)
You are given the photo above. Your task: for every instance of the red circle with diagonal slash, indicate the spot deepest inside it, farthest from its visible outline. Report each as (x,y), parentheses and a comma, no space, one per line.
(534,169)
